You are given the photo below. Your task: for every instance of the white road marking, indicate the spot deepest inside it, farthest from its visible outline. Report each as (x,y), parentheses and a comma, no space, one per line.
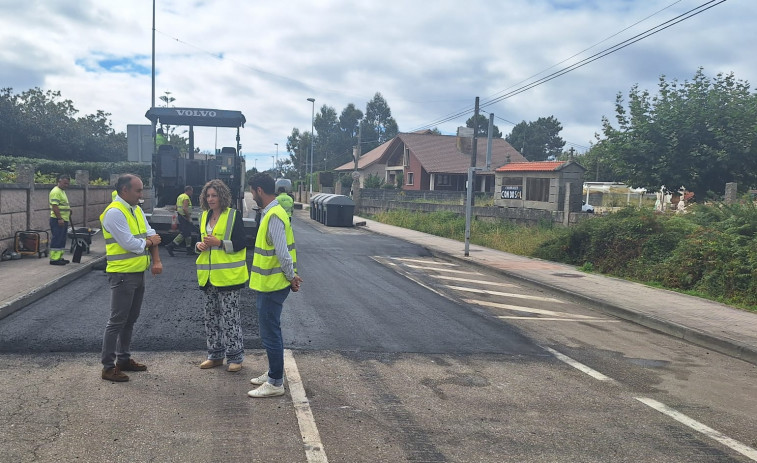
(579,366)
(745,450)
(449,270)
(420,261)
(409,276)
(499,293)
(519,308)
(314,450)
(482,282)
(558,319)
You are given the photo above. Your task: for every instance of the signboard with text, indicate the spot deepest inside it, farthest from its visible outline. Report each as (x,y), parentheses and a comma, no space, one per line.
(512,192)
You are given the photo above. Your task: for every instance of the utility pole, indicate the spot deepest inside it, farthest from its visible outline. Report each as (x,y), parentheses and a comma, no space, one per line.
(471,181)
(474,153)
(475,135)
(357,151)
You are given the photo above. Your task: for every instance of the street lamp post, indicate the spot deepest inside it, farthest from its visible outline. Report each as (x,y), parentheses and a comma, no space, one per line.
(312,119)
(277,158)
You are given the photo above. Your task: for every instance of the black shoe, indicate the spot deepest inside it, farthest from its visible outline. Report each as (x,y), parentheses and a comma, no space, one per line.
(169,248)
(58,262)
(191,252)
(66,261)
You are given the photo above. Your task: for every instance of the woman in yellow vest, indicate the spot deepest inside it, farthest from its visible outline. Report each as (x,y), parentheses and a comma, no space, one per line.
(222,273)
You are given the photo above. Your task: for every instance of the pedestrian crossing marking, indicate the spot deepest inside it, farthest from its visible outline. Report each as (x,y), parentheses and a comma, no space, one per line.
(518,308)
(422,261)
(499,293)
(482,282)
(448,270)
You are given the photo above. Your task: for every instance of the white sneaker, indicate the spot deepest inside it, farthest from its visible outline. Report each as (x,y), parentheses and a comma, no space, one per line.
(262,379)
(267,390)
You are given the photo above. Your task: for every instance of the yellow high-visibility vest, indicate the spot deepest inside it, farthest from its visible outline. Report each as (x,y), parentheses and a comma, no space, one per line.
(119,259)
(180,204)
(216,265)
(286,202)
(266,274)
(59,198)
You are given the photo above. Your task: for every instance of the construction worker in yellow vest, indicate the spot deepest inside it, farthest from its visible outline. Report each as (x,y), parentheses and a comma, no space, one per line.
(273,275)
(186,228)
(160,138)
(130,243)
(285,201)
(60,215)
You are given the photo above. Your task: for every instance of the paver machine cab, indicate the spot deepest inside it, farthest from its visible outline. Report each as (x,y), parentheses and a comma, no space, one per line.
(171,171)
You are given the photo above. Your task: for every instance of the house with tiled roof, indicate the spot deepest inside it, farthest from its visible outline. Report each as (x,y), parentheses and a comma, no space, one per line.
(426,161)
(546,185)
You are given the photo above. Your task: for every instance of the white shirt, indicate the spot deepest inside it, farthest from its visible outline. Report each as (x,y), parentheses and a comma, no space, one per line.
(117,225)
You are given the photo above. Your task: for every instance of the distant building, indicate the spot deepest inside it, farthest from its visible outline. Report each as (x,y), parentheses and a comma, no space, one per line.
(426,161)
(540,185)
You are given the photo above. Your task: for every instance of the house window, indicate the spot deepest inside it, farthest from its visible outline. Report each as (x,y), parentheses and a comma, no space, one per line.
(443,180)
(409,178)
(512,181)
(406,160)
(537,189)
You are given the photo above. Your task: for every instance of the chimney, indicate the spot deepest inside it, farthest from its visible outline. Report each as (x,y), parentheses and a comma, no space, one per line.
(465,140)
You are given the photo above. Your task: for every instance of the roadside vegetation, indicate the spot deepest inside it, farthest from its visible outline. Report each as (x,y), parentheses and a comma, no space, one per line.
(709,252)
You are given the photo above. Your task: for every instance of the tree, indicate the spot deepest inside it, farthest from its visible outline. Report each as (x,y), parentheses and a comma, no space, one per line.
(38,124)
(700,134)
(336,137)
(378,124)
(483,127)
(537,140)
(298,147)
(328,147)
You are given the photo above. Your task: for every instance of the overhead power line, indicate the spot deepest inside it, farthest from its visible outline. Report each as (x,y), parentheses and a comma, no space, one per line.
(607,51)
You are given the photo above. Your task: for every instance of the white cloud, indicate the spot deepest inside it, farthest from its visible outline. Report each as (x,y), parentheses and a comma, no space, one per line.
(428,59)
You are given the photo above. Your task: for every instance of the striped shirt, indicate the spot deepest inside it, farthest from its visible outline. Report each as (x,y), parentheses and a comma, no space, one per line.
(277,236)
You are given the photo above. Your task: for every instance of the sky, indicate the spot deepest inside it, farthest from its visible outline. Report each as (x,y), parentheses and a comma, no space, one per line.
(428,59)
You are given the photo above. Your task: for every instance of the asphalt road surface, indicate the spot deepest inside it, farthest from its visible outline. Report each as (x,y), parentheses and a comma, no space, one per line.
(393,355)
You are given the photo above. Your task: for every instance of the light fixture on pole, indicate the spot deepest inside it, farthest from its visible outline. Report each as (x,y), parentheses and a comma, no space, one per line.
(312,119)
(277,158)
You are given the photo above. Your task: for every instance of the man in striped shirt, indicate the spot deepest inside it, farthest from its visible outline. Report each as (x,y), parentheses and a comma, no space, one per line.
(273,275)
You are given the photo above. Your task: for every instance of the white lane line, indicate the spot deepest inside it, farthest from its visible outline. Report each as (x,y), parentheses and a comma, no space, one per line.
(579,366)
(398,268)
(423,261)
(314,450)
(745,450)
(448,270)
(499,293)
(519,308)
(558,319)
(481,282)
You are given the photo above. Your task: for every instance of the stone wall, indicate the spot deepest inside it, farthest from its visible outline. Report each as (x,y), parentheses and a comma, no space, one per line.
(26,207)
(493,213)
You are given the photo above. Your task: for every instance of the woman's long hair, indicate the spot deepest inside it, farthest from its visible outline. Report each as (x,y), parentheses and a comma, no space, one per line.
(224,194)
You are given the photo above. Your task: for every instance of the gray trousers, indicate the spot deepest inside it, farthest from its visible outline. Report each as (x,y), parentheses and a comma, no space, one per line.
(126,292)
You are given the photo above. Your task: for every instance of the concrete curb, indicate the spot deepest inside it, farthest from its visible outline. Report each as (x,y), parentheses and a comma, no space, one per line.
(40,292)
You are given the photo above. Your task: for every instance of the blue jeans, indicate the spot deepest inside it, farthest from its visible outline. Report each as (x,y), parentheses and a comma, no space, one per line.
(269,319)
